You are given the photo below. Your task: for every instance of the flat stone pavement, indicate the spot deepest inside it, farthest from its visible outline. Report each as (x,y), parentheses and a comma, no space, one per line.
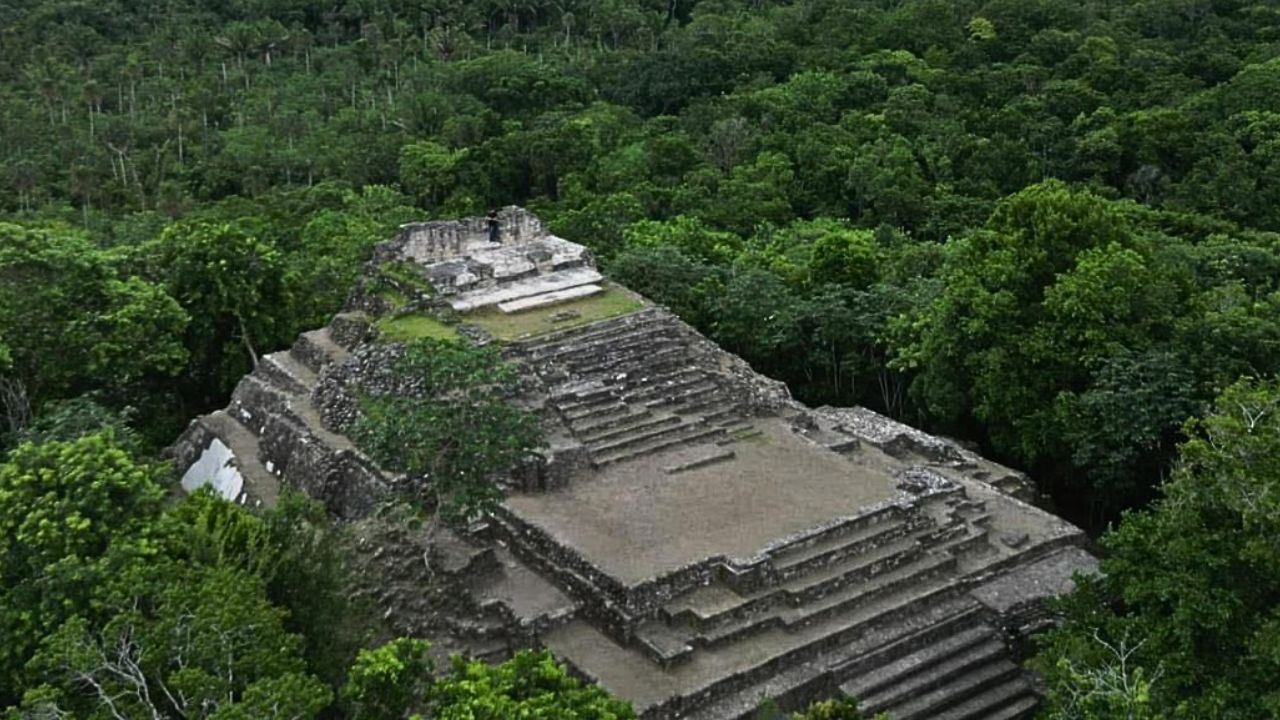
(635,521)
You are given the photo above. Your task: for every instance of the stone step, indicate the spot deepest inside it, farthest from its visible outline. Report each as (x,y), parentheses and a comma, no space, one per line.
(867,671)
(1020,707)
(695,433)
(581,392)
(630,342)
(283,370)
(260,486)
(712,457)
(660,375)
(524,287)
(842,445)
(315,349)
(961,538)
(254,401)
(551,346)
(595,412)
(843,527)
(653,366)
(721,405)
(975,538)
(915,625)
(795,559)
(301,407)
(529,597)
(687,396)
(635,342)
(458,557)
(662,643)
(642,422)
(323,464)
(964,504)
(805,582)
(547,299)
(575,403)
(666,387)
(968,696)
(730,423)
(908,578)
(350,329)
(538,550)
(937,672)
(739,437)
(742,611)
(865,566)
(967,511)
(596,426)
(952,530)
(610,364)
(720,414)
(632,436)
(873,680)
(695,607)
(1012,485)
(624,372)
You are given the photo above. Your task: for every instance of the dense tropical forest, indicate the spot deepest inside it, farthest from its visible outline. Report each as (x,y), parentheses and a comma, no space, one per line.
(1050,228)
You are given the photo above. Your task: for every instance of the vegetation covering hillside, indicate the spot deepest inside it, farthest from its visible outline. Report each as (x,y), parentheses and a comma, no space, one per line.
(1048,227)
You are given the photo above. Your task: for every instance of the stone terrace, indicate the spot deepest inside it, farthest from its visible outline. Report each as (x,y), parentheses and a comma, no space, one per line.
(694,540)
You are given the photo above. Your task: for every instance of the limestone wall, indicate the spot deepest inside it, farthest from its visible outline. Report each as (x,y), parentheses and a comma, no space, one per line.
(430,242)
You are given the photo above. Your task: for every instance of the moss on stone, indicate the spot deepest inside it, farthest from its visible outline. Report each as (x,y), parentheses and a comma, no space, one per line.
(415,327)
(394,298)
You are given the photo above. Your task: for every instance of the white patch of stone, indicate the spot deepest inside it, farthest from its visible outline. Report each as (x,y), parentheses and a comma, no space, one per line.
(216,468)
(536,285)
(549,298)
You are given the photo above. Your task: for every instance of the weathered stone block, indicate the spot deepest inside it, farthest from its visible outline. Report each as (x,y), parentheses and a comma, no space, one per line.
(350,329)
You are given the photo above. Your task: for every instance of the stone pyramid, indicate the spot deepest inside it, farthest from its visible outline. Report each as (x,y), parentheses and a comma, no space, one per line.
(694,539)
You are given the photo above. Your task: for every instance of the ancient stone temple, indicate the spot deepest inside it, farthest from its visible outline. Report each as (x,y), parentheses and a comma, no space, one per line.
(694,539)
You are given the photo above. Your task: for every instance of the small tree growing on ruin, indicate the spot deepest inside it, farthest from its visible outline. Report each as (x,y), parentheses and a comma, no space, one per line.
(454,431)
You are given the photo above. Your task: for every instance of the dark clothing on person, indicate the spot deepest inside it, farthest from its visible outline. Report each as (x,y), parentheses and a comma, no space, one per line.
(494,227)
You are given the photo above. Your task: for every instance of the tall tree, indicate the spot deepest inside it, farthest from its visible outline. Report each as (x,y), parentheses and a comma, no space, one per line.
(223,277)
(74,321)
(63,505)
(1184,620)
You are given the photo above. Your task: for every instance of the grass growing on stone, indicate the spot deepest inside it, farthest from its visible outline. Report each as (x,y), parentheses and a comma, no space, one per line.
(415,327)
(394,298)
(614,301)
(406,273)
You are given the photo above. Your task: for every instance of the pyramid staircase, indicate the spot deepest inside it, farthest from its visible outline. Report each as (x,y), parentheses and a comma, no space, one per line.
(878,602)
(632,387)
